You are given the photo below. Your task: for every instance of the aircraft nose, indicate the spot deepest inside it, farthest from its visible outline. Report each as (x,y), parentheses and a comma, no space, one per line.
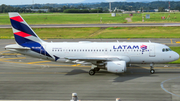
(176,56)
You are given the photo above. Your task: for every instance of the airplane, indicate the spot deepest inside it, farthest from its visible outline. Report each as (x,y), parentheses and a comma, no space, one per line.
(112,56)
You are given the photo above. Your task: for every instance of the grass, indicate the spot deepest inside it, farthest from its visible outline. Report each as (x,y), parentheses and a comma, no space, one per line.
(139,32)
(66,18)
(156,17)
(54,33)
(98,33)
(63,18)
(65,33)
(176,49)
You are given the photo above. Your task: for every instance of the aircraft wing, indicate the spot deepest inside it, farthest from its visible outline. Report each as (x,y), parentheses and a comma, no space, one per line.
(93,58)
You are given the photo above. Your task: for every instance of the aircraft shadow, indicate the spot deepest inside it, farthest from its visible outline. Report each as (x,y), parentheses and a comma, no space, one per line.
(131,73)
(76,71)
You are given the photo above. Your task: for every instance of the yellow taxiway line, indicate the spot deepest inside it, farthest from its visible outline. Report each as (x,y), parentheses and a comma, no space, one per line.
(171,41)
(177,41)
(37,62)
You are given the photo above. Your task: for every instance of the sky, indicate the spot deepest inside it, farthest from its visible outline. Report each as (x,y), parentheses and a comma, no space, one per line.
(22,2)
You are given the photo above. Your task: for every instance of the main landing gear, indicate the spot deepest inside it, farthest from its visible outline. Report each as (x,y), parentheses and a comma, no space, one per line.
(152,71)
(93,71)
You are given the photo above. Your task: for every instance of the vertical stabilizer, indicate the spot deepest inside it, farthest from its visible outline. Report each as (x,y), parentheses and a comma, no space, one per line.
(22,31)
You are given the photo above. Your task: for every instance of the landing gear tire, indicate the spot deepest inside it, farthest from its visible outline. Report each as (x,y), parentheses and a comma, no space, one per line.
(92,72)
(152,71)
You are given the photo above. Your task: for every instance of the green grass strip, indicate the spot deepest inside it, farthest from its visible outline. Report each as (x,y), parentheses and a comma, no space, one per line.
(139,32)
(64,18)
(100,33)
(95,18)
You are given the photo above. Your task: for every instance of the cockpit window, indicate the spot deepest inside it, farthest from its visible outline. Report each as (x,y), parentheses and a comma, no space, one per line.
(166,49)
(169,49)
(163,50)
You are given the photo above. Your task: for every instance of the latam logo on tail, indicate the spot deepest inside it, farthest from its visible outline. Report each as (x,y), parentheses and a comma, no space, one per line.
(143,47)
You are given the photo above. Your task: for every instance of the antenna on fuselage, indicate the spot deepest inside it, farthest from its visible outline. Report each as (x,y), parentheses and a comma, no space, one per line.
(149,41)
(117,41)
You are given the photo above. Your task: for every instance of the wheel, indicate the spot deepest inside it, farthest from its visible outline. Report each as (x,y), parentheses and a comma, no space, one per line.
(97,69)
(152,71)
(92,72)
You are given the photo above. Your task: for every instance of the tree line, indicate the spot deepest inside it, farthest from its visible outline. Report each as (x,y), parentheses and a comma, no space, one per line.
(92,7)
(82,11)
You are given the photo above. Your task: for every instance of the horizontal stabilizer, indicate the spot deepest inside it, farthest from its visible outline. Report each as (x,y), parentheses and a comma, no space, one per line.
(16,46)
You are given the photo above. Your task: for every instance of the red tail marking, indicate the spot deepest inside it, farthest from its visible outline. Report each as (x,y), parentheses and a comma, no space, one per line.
(22,34)
(17,18)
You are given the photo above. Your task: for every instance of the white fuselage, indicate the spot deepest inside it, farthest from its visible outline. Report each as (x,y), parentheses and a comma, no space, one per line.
(131,52)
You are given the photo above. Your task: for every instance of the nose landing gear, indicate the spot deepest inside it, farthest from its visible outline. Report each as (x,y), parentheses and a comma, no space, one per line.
(152,71)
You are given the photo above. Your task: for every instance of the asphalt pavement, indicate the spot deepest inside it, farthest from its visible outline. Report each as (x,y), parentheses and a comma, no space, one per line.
(27,78)
(98,25)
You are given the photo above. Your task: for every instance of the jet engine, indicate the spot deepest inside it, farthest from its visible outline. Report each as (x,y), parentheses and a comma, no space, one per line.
(116,66)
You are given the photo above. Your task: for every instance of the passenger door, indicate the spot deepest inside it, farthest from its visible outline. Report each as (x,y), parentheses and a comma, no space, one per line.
(152,51)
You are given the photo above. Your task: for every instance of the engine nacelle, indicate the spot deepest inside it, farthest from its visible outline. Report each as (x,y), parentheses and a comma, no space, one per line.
(116,66)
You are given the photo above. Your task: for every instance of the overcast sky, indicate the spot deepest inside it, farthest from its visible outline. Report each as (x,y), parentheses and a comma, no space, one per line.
(21,2)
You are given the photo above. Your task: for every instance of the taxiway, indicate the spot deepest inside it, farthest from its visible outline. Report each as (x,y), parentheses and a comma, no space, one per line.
(27,78)
(98,25)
